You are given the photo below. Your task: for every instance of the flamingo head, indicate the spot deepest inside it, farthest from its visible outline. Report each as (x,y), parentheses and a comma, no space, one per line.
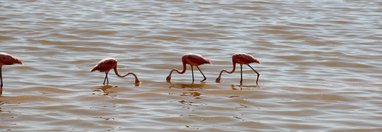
(168,78)
(137,82)
(217,80)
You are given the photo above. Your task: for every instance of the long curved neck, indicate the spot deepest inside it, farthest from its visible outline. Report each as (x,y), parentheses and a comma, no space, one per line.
(130,73)
(180,72)
(230,72)
(136,78)
(117,73)
(221,72)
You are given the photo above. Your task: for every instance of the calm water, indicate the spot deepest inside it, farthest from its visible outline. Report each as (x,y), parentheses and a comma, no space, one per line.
(320,68)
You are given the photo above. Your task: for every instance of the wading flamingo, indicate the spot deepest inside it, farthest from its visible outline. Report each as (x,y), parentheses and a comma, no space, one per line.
(6,59)
(192,60)
(241,58)
(105,65)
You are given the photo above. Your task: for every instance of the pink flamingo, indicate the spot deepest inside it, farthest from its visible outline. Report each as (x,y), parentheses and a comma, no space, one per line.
(241,58)
(192,60)
(6,59)
(105,65)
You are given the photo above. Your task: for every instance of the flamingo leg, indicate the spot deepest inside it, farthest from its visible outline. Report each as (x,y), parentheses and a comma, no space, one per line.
(241,74)
(1,85)
(106,78)
(202,74)
(258,75)
(192,70)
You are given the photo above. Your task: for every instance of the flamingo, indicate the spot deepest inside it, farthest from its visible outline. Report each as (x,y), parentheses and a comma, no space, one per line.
(6,59)
(241,58)
(192,60)
(105,65)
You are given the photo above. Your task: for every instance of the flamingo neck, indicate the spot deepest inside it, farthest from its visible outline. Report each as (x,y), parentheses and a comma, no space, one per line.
(117,73)
(135,76)
(183,70)
(230,72)
(180,72)
(130,73)
(233,69)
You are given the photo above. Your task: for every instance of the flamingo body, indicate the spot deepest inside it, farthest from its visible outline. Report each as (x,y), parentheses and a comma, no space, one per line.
(6,59)
(242,59)
(105,65)
(192,60)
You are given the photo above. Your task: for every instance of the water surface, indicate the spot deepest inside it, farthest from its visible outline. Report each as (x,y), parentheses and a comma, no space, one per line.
(320,68)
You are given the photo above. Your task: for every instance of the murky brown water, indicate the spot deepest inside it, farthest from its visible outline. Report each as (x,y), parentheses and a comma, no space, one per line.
(320,68)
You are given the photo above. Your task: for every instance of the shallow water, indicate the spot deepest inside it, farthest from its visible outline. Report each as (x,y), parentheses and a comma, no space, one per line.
(320,65)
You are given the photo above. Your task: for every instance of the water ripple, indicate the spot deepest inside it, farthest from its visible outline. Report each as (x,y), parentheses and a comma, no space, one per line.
(320,65)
